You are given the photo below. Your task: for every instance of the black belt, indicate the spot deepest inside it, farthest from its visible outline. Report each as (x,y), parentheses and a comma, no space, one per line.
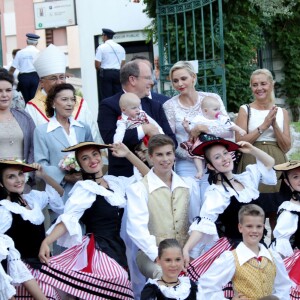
(111,69)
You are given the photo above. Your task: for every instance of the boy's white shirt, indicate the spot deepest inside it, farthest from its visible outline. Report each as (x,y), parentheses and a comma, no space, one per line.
(223,269)
(138,214)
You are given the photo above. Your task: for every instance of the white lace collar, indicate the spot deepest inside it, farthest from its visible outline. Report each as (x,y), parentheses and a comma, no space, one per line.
(244,196)
(34,215)
(114,197)
(181,291)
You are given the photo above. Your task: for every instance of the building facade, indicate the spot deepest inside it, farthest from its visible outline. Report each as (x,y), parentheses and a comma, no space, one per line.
(77,39)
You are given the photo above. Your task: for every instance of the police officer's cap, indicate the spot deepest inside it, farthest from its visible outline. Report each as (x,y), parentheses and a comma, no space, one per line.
(32,37)
(108,32)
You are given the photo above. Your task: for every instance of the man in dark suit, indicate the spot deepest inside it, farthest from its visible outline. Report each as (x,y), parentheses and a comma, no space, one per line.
(135,77)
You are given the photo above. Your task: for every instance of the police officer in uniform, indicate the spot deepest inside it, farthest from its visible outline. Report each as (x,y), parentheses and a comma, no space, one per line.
(109,58)
(23,61)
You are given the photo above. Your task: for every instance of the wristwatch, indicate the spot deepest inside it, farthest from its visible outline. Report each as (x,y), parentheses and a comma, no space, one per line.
(259,131)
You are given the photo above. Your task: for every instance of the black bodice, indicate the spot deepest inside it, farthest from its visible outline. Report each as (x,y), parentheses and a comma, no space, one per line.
(27,236)
(104,221)
(227,222)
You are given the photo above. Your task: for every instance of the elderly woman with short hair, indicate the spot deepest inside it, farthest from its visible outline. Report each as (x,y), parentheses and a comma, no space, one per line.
(62,131)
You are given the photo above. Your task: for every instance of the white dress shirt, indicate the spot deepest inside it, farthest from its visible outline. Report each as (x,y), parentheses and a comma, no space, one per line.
(138,214)
(110,54)
(23,60)
(71,137)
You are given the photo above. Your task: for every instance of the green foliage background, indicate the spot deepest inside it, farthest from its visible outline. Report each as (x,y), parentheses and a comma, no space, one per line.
(248,26)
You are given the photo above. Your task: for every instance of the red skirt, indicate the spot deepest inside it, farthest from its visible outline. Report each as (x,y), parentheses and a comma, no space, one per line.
(292,264)
(201,264)
(48,290)
(102,278)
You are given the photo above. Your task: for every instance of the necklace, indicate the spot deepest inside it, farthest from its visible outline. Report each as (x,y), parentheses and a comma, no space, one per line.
(100,181)
(168,283)
(227,178)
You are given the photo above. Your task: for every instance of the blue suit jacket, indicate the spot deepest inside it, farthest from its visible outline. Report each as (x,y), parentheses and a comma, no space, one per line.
(48,146)
(109,111)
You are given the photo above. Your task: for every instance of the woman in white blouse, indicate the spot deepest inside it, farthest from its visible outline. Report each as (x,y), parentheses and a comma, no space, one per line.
(187,106)
(287,231)
(22,219)
(268,129)
(227,193)
(96,261)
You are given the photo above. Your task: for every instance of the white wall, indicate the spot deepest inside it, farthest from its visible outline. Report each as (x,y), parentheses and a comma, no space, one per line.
(92,16)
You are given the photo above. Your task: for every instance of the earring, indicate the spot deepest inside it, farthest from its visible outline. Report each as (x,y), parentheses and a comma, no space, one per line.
(54,114)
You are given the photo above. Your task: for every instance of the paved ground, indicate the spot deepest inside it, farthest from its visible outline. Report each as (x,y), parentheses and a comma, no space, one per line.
(295,142)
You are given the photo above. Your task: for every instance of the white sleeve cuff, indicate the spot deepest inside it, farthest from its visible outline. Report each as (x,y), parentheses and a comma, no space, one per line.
(73,236)
(283,246)
(55,201)
(206,226)
(268,175)
(16,268)
(152,252)
(7,290)
(140,132)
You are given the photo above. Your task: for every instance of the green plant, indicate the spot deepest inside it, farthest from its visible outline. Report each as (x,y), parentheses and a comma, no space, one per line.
(78,92)
(294,104)
(242,37)
(248,25)
(284,33)
(296,126)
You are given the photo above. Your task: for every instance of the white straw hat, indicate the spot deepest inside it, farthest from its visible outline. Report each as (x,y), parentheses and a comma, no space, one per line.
(289,165)
(50,61)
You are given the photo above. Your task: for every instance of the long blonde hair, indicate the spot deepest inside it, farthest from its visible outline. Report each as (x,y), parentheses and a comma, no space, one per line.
(269,76)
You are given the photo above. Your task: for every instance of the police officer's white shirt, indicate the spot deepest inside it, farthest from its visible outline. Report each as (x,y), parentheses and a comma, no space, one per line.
(110,54)
(24,58)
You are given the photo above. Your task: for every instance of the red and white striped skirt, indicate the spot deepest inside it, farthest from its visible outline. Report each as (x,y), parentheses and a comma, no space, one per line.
(48,290)
(292,264)
(102,278)
(201,264)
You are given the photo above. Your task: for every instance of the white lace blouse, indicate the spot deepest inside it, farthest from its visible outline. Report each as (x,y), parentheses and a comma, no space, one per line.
(82,197)
(17,271)
(217,199)
(287,225)
(37,201)
(176,113)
